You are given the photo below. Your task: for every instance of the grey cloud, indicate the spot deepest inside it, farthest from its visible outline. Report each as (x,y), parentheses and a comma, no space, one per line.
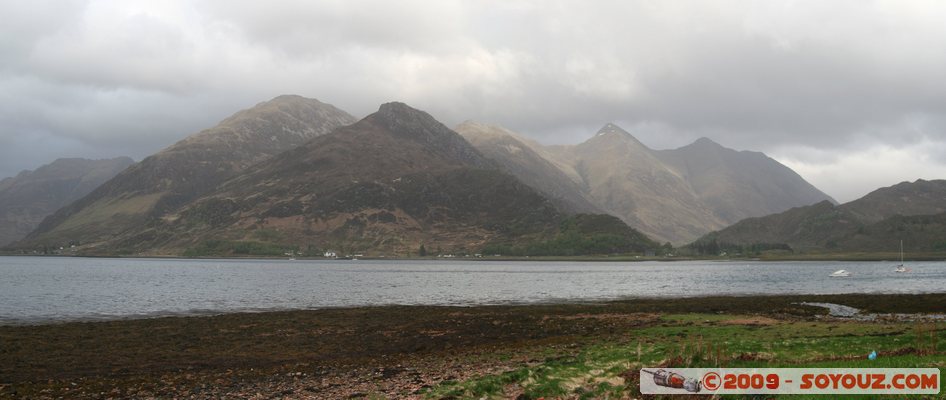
(808,80)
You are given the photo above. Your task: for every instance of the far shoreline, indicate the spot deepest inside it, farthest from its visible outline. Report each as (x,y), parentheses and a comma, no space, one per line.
(867,257)
(864,301)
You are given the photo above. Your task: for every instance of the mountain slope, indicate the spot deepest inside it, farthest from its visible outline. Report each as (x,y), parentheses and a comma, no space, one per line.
(190,168)
(33,195)
(519,157)
(875,222)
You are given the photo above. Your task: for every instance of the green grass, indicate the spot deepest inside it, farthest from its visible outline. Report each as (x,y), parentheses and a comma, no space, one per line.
(714,340)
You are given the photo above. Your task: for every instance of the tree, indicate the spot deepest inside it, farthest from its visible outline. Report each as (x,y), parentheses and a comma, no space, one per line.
(422,251)
(666,249)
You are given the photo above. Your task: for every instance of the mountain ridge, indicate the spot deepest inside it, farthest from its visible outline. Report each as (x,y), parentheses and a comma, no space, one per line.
(30,196)
(398,152)
(425,185)
(521,159)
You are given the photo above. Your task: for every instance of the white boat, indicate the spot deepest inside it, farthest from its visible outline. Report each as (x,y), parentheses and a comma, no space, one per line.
(901,268)
(841,273)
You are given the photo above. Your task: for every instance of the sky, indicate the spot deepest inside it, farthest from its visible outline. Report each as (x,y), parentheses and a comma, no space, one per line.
(850,94)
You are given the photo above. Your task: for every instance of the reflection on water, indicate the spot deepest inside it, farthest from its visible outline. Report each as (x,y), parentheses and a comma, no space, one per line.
(50,288)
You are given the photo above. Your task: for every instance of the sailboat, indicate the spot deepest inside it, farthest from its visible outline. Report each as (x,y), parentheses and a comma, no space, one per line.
(901,268)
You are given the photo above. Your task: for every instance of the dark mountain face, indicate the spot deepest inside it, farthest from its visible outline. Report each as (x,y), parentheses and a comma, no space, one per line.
(918,198)
(875,222)
(33,195)
(165,181)
(384,185)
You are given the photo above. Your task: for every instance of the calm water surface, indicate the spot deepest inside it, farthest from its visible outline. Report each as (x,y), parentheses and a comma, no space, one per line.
(42,289)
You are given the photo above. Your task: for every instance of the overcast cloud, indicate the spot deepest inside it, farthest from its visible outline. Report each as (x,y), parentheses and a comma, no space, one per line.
(851,94)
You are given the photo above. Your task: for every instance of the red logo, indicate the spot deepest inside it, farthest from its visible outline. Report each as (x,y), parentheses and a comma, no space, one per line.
(711,381)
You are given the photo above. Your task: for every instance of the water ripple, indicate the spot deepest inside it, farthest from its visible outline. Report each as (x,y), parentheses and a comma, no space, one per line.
(39,289)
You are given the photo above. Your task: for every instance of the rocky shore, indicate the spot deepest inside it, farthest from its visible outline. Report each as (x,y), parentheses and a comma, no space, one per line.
(377,352)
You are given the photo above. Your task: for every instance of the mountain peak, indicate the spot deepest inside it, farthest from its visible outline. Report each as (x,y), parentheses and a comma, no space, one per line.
(300,116)
(609,133)
(706,145)
(282,102)
(396,106)
(705,141)
(399,116)
(289,97)
(610,128)
(408,123)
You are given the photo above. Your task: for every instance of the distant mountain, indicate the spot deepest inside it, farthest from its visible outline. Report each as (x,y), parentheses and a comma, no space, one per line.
(914,212)
(522,158)
(630,181)
(678,195)
(181,173)
(33,195)
(386,185)
(738,184)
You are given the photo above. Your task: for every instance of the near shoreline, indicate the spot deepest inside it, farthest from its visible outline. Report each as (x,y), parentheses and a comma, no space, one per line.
(435,352)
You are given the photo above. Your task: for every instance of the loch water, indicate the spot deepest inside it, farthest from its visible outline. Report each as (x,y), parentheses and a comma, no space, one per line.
(50,289)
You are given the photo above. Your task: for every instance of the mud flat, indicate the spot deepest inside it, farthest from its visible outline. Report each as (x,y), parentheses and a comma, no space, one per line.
(450,352)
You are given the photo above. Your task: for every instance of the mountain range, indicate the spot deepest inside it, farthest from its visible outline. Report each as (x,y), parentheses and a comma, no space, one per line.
(297,173)
(386,184)
(181,173)
(31,196)
(671,195)
(913,212)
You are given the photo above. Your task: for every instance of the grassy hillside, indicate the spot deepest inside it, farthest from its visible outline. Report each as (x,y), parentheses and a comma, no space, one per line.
(582,234)
(912,212)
